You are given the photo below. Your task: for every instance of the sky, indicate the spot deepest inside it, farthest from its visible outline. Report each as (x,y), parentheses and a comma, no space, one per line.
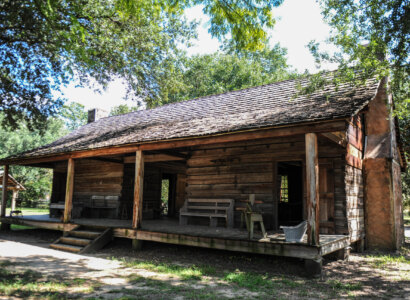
(298,22)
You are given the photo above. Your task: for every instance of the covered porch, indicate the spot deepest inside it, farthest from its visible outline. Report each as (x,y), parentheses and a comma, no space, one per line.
(232,166)
(169,231)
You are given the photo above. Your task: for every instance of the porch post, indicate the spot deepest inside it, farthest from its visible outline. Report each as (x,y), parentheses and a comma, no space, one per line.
(4,191)
(4,226)
(69,191)
(138,190)
(312,185)
(13,199)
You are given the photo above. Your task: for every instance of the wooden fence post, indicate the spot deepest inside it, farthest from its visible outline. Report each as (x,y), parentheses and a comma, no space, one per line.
(312,185)
(68,205)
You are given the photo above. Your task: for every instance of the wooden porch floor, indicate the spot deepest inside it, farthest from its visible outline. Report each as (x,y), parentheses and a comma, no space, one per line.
(169,231)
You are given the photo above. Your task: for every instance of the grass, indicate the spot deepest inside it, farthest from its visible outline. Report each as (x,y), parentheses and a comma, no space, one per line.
(344,287)
(29,283)
(380,261)
(185,273)
(29,211)
(406,217)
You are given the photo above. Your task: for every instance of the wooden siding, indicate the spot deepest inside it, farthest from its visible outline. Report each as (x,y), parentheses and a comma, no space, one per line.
(96,178)
(353,179)
(237,170)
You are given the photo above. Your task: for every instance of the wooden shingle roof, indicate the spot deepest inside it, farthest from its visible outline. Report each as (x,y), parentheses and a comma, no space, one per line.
(257,107)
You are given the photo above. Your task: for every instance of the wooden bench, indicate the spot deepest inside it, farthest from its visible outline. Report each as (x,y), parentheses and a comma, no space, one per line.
(106,203)
(208,208)
(56,209)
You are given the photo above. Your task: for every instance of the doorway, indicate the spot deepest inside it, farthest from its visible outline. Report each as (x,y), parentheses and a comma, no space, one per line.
(289,187)
(168,193)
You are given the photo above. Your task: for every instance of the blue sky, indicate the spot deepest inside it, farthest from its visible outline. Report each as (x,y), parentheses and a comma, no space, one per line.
(298,22)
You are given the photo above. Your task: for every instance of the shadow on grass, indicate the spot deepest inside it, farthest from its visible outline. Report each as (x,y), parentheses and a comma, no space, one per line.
(265,275)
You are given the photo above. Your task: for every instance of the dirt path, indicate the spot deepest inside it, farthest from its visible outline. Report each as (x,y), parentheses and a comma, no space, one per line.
(159,271)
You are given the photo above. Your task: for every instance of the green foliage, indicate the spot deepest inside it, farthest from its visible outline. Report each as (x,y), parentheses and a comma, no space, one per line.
(185,273)
(74,115)
(46,44)
(210,74)
(372,36)
(122,109)
(37,181)
(43,44)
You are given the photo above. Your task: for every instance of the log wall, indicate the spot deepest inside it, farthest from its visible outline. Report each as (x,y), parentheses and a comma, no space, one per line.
(237,170)
(353,179)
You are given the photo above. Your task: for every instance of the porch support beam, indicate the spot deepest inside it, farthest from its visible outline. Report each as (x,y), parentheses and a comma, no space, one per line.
(69,191)
(4,226)
(13,199)
(328,126)
(312,185)
(138,190)
(4,191)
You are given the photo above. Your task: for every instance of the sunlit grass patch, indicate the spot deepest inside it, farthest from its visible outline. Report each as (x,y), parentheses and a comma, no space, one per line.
(345,287)
(251,281)
(384,260)
(184,272)
(30,283)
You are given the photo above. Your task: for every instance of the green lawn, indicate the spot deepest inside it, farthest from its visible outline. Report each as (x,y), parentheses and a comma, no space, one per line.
(406,218)
(27,211)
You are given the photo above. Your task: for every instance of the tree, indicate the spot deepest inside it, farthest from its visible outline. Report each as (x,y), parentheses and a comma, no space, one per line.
(46,44)
(122,109)
(73,115)
(37,181)
(209,74)
(373,37)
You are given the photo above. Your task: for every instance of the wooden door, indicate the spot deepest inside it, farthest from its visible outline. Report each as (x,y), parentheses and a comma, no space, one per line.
(326,197)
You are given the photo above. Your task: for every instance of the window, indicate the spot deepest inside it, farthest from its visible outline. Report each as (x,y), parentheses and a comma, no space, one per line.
(284,188)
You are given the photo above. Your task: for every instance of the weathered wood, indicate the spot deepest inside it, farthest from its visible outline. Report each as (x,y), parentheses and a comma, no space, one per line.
(13,200)
(328,126)
(312,183)
(339,137)
(68,204)
(138,189)
(280,249)
(4,191)
(103,239)
(39,224)
(137,245)
(154,158)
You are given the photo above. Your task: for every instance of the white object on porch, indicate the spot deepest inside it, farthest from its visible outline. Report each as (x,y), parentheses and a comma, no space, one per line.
(295,233)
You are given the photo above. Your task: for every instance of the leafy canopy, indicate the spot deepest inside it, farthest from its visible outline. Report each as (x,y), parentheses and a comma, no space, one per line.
(37,181)
(372,36)
(46,44)
(209,74)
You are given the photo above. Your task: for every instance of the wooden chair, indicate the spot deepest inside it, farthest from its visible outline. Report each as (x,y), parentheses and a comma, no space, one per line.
(252,217)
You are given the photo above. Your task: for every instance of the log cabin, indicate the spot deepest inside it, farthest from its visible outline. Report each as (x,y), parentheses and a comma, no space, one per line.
(332,158)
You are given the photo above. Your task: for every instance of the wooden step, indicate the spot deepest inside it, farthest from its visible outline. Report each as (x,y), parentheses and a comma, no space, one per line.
(65,247)
(74,241)
(84,234)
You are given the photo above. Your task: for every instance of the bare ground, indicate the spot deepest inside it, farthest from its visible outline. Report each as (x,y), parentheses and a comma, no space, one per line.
(160,271)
